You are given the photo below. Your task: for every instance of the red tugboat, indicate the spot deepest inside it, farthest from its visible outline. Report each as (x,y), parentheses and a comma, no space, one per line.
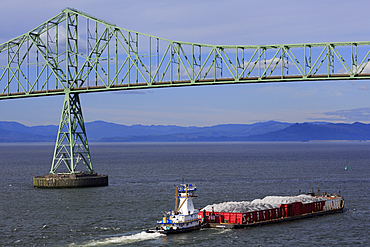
(271,209)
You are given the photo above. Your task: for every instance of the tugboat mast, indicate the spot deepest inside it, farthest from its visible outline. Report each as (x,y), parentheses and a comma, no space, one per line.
(185,194)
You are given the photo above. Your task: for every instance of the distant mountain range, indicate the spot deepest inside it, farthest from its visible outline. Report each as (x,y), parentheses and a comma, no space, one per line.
(100,131)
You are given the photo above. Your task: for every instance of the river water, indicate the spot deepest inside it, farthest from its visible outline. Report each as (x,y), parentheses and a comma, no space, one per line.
(141,186)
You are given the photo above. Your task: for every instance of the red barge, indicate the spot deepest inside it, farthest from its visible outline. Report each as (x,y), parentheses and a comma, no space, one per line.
(271,209)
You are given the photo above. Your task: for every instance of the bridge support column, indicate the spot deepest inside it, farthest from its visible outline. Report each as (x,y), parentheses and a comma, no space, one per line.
(71,148)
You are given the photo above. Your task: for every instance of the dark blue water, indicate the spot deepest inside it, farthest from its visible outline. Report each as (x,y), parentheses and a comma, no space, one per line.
(142,179)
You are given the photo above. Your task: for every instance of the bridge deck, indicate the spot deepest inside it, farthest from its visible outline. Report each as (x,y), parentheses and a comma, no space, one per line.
(219,81)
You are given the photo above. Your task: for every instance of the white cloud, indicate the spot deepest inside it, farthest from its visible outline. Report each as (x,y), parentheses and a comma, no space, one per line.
(351,115)
(364,69)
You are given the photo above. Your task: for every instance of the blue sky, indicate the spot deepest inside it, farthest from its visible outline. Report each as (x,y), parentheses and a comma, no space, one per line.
(232,22)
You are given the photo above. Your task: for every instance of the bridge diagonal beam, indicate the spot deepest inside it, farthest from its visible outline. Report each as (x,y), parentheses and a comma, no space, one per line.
(210,66)
(295,61)
(19,69)
(271,61)
(128,53)
(363,63)
(258,50)
(279,59)
(49,59)
(168,63)
(118,72)
(8,68)
(316,61)
(204,64)
(343,61)
(93,62)
(127,74)
(177,47)
(247,65)
(156,73)
(188,62)
(221,52)
(16,77)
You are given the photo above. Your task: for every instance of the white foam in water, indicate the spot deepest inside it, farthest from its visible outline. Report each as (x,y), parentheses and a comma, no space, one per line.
(122,239)
(260,204)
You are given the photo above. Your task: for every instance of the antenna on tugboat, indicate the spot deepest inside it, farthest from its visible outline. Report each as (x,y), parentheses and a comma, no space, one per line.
(186,197)
(318,189)
(176,200)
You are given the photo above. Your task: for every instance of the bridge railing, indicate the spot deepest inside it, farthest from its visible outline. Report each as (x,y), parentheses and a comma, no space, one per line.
(76,52)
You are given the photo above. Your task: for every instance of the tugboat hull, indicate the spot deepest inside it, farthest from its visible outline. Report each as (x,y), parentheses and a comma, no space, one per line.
(175,231)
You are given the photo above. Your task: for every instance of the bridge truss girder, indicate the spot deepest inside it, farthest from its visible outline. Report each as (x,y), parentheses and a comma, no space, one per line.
(81,53)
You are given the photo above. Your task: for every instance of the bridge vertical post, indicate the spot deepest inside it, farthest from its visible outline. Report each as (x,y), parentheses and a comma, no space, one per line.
(71,146)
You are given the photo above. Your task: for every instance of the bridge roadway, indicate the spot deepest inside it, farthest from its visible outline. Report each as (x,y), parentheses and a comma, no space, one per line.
(219,81)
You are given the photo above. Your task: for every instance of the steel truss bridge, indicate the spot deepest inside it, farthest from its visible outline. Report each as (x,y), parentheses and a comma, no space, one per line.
(75,53)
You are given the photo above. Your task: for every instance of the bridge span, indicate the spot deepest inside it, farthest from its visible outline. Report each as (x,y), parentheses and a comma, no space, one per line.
(74,53)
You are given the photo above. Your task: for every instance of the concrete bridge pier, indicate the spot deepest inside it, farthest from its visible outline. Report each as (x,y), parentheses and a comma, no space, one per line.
(70,180)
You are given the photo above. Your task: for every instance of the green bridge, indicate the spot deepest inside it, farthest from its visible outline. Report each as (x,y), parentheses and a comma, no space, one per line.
(75,53)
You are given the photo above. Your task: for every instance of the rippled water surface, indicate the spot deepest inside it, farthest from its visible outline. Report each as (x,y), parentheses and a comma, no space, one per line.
(141,185)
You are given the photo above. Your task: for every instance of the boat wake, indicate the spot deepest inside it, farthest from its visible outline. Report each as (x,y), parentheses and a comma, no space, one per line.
(127,239)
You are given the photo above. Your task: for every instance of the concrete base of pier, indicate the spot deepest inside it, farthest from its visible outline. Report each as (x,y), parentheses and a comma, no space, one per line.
(70,180)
